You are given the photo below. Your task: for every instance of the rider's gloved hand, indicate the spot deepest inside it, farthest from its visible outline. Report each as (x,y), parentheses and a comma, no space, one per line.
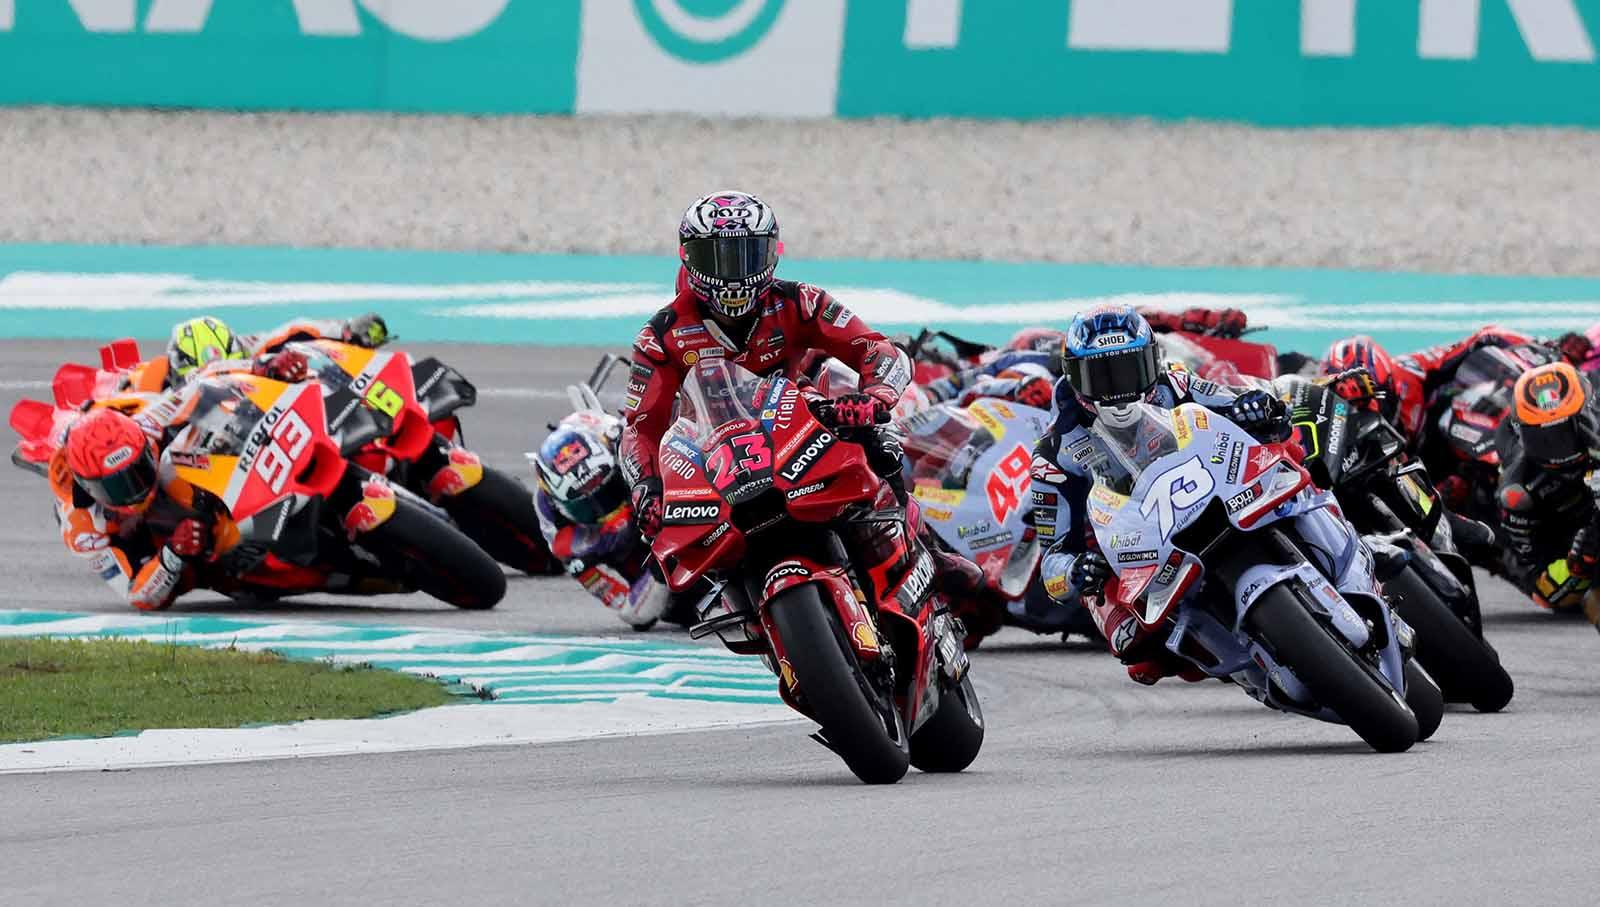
(190,539)
(1089,573)
(858,410)
(1228,323)
(367,330)
(647,506)
(1262,414)
(1357,386)
(288,366)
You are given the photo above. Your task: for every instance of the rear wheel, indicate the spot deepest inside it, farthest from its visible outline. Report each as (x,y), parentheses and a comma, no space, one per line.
(1467,669)
(1425,700)
(499,515)
(859,722)
(950,740)
(436,557)
(1339,678)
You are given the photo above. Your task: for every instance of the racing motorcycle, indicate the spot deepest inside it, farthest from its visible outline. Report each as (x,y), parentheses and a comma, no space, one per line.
(817,573)
(1464,417)
(969,469)
(416,406)
(1195,519)
(1393,504)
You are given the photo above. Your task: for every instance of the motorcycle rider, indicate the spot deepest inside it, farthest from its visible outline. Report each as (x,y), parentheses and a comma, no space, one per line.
(732,307)
(1026,370)
(587,520)
(1110,362)
(131,517)
(1549,492)
(199,342)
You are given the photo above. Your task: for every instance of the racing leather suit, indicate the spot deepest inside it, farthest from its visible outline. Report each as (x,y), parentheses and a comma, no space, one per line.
(1551,523)
(793,318)
(127,550)
(597,556)
(1062,479)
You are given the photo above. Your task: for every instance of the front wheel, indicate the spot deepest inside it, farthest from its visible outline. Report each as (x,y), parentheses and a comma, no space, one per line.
(1467,669)
(1425,700)
(950,740)
(859,722)
(1337,677)
(433,555)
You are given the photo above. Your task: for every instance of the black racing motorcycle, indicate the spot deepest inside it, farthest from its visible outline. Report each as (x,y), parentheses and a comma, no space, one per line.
(1392,502)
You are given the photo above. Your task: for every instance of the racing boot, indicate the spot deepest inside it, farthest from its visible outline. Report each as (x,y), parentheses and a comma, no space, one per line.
(1138,648)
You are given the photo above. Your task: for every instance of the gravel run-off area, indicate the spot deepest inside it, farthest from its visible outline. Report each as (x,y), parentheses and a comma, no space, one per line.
(1132,192)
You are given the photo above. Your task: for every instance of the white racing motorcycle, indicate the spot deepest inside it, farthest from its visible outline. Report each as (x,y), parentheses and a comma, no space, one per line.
(1222,541)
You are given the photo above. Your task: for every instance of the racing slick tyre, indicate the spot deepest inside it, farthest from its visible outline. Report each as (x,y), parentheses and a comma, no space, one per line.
(1467,669)
(859,723)
(950,740)
(1426,702)
(499,515)
(1340,679)
(434,556)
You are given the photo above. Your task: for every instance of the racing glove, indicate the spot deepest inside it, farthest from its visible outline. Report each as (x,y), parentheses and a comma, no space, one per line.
(288,366)
(190,539)
(367,330)
(1089,573)
(1262,415)
(1357,386)
(858,410)
(647,507)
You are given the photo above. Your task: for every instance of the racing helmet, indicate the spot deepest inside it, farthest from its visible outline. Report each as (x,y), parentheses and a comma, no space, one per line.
(1037,339)
(112,460)
(1555,416)
(1110,360)
(1361,351)
(728,243)
(577,466)
(199,342)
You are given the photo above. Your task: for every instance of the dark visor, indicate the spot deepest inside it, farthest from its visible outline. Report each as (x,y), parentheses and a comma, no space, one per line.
(127,486)
(1115,377)
(596,506)
(731,257)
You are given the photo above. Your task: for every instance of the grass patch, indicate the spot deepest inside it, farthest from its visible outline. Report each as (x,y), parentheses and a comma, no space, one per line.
(94,688)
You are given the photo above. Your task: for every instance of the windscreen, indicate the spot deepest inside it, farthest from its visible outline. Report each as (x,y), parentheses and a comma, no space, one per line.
(1133,445)
(714,393)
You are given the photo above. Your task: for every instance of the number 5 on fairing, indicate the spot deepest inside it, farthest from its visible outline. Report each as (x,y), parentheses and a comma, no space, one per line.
(1179,488)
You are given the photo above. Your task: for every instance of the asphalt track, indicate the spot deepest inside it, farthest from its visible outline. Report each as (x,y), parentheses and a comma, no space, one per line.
(1090,789)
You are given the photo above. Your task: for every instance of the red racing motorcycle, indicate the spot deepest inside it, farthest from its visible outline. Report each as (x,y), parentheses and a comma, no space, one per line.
(817,573)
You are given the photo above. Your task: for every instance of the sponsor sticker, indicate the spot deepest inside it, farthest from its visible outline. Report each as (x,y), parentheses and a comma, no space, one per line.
(1056,586)
(1137,557)
(1239,501)
(691,514)
(803,490)
(801,463)
(932,493)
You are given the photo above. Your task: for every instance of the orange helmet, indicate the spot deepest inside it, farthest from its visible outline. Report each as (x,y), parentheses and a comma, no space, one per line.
(112,459)
(1554,414)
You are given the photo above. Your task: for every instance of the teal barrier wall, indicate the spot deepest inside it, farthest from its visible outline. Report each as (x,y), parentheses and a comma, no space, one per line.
(1280,62)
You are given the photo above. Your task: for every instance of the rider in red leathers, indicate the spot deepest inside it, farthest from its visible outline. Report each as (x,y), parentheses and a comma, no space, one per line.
(730,306)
